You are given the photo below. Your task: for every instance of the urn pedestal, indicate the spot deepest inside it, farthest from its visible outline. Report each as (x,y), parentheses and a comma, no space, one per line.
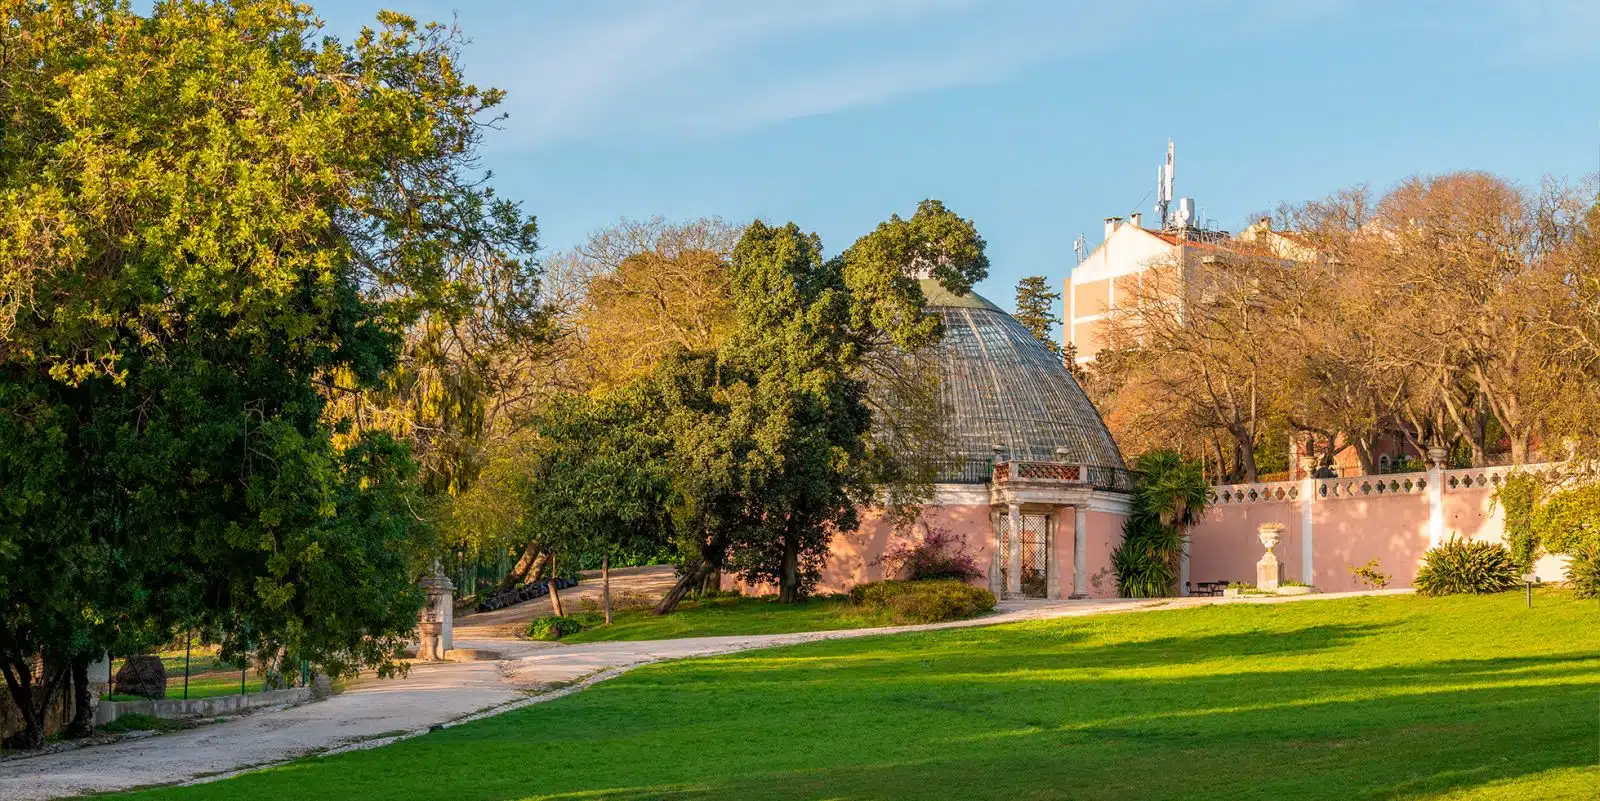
(1268,569)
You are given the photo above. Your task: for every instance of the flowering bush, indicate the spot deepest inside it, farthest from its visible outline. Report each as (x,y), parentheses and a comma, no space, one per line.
(940,555)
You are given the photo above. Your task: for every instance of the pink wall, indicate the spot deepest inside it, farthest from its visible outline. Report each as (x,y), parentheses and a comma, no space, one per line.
(1065,519)
(1348,527)
(1347,532)
(1225,547)
(853,556)
(1103,533)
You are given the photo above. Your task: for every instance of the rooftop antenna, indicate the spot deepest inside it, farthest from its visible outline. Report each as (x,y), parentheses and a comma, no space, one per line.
(1164,188)
(1081,247)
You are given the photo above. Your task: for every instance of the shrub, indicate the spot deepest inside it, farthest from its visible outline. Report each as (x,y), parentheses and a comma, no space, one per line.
(1519,495)
(1467,566)
(940,555)
(1170,495)
(1370,575)
(553,627)
(628,601)
(1583,572)
(929,601)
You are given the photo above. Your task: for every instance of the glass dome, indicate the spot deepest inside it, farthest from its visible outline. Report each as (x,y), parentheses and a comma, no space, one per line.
(1001,386)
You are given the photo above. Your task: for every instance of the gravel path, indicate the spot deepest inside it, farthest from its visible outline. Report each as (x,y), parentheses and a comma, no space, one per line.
(373,713)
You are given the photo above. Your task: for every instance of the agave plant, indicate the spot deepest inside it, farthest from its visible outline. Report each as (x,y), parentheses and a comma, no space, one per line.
(1466,566)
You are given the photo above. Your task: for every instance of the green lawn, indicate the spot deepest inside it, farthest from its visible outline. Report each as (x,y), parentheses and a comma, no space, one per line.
(729,616)
(1392,697)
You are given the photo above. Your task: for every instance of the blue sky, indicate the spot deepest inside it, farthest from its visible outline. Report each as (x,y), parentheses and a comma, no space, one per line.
(1035,119)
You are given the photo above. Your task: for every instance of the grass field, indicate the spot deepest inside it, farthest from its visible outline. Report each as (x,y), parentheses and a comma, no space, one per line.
(727,616)
(208,675)
(1392,697)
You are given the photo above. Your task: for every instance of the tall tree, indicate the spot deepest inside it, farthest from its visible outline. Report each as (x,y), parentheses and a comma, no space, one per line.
(275,209)
(1036,306)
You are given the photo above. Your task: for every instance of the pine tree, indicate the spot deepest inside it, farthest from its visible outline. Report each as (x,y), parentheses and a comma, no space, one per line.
(1036,310)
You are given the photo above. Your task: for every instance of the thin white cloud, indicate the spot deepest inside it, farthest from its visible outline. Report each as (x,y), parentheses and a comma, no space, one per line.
(708,67)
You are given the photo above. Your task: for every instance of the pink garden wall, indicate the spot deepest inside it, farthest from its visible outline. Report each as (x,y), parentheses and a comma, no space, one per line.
(1348,521)
(853,557)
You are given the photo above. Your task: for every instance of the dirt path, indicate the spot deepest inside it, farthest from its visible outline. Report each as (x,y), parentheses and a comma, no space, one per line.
(375,713)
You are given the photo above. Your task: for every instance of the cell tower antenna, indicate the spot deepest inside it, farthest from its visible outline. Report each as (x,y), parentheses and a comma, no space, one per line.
(1164,188)
(1081,248)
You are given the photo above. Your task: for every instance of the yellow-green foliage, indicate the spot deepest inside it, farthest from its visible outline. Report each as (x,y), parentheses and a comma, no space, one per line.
(928,601)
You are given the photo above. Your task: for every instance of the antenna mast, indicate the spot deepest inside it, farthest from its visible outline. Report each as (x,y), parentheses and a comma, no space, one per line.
(1164,188)
(1081,248)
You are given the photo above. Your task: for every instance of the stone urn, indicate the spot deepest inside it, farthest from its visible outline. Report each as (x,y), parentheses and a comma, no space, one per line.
(1267,570)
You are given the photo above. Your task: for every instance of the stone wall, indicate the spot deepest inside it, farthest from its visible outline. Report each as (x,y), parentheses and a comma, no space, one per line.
(1331,525)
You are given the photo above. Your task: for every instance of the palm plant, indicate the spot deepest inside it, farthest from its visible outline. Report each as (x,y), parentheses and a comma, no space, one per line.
(1169,496)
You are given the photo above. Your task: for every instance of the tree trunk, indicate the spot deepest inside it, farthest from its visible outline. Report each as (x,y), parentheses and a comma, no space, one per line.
(555,592)
(1364,448)
(687,582)
(605,585)
(526,569)
(711,583)
(82,700)
(1245,449)
(1519,446)
(32,700)
(789,581)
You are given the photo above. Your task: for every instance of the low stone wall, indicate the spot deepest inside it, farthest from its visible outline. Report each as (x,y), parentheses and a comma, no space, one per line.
(1331,525)
(217,706)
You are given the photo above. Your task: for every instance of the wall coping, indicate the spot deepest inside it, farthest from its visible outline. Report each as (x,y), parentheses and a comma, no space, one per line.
(1370,486)
(177,708)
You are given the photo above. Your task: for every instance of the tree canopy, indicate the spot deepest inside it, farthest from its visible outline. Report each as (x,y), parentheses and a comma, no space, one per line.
(211,219)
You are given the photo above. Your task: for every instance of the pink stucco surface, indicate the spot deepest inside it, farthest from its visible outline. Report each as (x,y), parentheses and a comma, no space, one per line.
(1103,532)
(1225,547)
(854,556)
(1065,520)
(1346,532)
(1473,514)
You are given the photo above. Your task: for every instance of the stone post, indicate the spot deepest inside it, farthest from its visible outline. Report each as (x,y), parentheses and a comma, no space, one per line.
(996,586)
(1080,555)
(1052,571)
(1267,569)
(1436,457)
(1014,558)
(436,622)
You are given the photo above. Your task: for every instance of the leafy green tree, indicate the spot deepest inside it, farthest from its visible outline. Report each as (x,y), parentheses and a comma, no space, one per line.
(268,213)
(596,482)
(1036,310)
(806,330)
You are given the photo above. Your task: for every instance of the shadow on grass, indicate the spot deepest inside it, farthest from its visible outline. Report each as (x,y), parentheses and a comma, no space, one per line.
(1030,713)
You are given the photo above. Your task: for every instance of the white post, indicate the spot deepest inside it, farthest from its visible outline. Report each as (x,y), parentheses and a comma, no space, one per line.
(1183,568)
(994,563)
(1080,546)
(1436,496)
(1308,498)
(1014,575)
(1052,570)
